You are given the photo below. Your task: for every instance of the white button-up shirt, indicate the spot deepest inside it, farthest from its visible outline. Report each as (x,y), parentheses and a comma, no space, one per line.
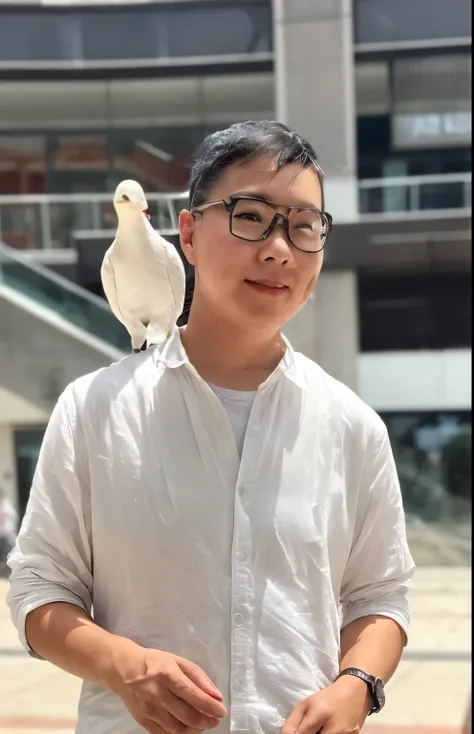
(141,511)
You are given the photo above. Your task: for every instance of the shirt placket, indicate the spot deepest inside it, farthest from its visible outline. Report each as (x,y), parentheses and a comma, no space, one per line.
(242,673)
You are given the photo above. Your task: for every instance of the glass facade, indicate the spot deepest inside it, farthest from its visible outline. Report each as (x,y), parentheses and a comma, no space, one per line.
(414,119)
(27,442)
(433,456)
(413,312)
(85,136)
(386,21)
(160,31)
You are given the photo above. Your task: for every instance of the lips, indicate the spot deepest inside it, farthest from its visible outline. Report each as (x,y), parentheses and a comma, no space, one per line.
(273,284)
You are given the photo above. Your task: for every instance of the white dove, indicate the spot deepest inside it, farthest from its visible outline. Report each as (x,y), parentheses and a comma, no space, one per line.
(142,274)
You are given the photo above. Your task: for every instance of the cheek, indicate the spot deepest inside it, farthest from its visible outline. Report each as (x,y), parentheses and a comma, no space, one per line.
(224,258)
(309,277)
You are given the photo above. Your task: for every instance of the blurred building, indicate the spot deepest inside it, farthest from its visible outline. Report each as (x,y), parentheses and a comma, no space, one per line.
(94,92)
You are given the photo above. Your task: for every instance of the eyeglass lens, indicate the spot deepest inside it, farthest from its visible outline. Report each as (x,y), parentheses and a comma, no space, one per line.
(251,218)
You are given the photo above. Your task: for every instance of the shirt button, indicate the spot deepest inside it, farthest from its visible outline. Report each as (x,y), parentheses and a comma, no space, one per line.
(243,492)
(241,557)
(238,618)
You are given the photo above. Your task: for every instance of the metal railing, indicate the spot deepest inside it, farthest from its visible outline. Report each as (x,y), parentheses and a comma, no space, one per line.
(55,293)
(50,221)
(415,193)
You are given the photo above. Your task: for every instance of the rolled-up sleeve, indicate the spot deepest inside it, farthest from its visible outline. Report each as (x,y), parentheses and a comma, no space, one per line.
(51,561)
(380,566)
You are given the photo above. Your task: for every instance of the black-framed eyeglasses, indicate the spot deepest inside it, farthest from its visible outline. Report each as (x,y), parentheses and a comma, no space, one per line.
(254,219)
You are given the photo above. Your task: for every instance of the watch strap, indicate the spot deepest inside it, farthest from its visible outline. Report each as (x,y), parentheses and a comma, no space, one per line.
(371,682)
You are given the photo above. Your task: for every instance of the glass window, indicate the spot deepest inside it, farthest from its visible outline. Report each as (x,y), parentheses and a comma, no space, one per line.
(415,312)
(392,21)
(432,84)
(95,133)
(433,456)
(121,34)
(372,84)
(27,447)
(159,31)
(32,35)
(236,28)
(431,101)
(22,164)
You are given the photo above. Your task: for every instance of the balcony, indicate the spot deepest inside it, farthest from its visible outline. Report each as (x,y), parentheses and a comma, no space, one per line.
(415,194)
(54,222)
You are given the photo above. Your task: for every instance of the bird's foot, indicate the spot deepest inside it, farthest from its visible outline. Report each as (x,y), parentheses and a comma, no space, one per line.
(142,348)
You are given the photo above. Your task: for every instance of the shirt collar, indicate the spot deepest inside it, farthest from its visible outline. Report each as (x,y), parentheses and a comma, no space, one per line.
(172,354)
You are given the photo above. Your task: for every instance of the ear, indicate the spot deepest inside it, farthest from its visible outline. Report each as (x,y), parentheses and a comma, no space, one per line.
(187,228)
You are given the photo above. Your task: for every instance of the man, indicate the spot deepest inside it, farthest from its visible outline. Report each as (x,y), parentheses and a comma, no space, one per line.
(223,505)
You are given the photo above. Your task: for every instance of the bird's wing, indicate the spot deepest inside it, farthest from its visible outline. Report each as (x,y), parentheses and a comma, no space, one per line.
(177,278)
(110,287)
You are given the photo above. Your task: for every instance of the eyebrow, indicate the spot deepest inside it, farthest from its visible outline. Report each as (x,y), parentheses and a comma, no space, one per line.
(264,197)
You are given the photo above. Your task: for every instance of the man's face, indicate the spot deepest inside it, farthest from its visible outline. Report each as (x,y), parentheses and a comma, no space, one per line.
(227,268)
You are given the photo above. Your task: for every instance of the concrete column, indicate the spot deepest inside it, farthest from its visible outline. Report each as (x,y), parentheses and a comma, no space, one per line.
(326,329)
(314,76)
(7,463)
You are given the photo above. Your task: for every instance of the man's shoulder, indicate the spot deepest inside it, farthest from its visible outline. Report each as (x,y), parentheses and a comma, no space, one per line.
(122,378)
(340,399)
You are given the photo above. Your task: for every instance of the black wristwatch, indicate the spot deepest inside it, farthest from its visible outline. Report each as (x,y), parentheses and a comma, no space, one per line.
(375,686)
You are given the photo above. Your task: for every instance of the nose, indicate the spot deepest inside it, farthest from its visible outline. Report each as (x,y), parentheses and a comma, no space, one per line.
(276,245)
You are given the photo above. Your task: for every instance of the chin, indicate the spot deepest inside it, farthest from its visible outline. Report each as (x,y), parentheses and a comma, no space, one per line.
(262,319)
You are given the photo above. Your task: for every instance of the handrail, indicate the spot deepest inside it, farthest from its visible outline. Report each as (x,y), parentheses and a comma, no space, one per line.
(410,194)
(54,296)
(81,198)
(36,221)
(439,178)
(8,253)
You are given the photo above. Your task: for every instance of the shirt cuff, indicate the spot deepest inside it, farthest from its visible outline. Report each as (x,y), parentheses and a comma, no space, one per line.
(391,610)
(39,600)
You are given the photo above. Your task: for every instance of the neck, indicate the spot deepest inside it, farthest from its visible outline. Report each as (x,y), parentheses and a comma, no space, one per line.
(131,226)
(229,356)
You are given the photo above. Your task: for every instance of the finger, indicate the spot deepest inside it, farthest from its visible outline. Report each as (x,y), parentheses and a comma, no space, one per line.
(188,715)
(184,688)
(313,722)
(170,723)
(151,727)
(294,720)
(200,678)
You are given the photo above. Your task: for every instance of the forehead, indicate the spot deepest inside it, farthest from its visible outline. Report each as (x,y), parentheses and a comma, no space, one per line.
(291,184)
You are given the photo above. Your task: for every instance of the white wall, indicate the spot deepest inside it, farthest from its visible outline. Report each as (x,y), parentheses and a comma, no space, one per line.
(412,381)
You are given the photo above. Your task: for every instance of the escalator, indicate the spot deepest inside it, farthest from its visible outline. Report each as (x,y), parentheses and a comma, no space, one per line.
(51,331)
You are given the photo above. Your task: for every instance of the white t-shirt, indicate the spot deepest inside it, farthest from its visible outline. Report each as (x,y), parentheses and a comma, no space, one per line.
(237,404)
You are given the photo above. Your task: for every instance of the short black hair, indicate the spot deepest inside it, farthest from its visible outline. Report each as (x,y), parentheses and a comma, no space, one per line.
(245,141)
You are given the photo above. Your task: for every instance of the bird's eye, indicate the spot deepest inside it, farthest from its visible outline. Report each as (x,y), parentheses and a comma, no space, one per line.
(125,197)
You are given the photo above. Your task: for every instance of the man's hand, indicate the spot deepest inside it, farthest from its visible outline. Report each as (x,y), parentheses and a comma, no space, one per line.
(167,694)
(341,708)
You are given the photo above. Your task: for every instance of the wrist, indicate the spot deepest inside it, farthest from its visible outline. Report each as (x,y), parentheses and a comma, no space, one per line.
(123,663)
(357,690)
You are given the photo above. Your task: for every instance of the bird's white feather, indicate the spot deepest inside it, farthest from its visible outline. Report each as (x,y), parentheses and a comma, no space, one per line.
(142,273)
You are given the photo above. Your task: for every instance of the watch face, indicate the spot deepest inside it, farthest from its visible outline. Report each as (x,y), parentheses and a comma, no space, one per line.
(380,693)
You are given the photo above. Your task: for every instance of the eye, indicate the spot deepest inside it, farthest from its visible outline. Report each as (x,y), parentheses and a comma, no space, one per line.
(249,216)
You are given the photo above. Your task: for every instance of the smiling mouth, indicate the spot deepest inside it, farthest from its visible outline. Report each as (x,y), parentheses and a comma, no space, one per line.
(268,287)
